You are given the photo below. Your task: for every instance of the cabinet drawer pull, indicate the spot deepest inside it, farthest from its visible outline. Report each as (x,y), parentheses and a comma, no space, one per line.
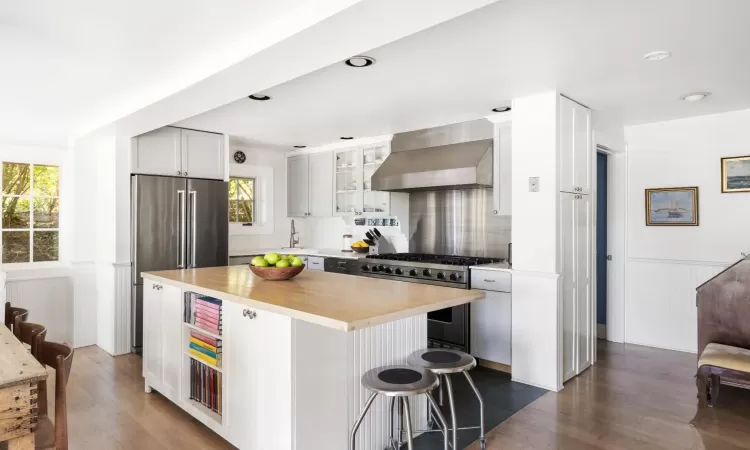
(488,281)
(249,314)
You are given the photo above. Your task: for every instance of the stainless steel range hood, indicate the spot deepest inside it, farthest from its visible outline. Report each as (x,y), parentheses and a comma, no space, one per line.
(457,156)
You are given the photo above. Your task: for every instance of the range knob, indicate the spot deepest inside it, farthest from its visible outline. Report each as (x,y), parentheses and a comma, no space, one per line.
(388,270)
(426,272)
(398,272)
(374,268)
(381,268)
(365,267)
(453,277)
(413,272)
(440,276)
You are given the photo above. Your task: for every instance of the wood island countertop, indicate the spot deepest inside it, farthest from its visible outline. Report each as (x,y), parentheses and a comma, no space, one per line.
(342,302)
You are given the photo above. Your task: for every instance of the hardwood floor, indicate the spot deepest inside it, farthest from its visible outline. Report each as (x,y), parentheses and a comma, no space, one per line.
(634,398)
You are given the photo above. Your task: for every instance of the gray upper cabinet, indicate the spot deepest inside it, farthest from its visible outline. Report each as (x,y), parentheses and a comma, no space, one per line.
(309,180)
(297,183)
(178,152)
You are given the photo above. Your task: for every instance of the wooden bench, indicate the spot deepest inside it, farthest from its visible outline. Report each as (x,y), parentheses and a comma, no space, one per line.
(721,361)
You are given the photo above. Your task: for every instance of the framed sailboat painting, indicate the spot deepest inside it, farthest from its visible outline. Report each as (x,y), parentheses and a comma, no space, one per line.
(672,206)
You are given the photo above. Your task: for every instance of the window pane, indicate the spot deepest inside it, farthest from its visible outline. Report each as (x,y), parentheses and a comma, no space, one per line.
(245,211)
(16,212)
(46,181)
(245,189)
(46,246)
(233,210)
(46,213)
(16,247)
(16,178)
(232,189)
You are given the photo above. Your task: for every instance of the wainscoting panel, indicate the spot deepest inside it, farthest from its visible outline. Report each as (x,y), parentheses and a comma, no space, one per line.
(123,290)
(48,301)
(660,306)
(84,304)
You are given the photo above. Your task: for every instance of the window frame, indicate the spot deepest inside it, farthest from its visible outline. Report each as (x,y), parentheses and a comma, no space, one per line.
(254,202)
(31,196)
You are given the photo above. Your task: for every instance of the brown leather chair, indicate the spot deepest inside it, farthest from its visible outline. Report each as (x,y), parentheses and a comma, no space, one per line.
(11,313)
(47,435)
(33,335)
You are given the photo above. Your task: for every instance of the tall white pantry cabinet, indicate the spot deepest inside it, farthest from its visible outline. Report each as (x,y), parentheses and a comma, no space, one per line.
(575,236)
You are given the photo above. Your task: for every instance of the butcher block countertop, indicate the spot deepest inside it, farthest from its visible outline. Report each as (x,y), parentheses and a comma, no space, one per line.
(17,366)
(342,302)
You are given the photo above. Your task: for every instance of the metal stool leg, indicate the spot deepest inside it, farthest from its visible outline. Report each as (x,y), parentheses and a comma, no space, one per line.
(391,440)
(443,424)
(405,400)
(352,441)
(400,428)
(482,441)
(452,405)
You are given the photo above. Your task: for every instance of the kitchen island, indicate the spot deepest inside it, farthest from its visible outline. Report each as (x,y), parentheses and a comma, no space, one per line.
(292,351)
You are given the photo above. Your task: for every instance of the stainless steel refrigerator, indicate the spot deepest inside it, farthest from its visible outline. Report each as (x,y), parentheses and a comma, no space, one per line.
(176,223)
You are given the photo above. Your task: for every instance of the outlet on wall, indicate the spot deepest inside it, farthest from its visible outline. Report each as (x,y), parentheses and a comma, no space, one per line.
(533,184)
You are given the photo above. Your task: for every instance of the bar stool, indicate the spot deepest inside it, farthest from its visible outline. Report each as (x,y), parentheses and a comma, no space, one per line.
(443,362)
(400,383)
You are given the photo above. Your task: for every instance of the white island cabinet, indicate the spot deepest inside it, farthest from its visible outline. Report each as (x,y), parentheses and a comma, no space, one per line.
(292,356)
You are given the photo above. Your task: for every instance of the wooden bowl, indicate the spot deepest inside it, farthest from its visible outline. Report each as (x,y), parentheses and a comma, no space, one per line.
(361,249)
(277,273)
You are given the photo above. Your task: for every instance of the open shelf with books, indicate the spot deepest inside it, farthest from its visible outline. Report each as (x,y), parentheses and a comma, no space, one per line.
(204,382)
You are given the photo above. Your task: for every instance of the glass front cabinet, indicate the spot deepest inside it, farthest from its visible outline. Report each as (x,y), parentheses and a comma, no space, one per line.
(353,168)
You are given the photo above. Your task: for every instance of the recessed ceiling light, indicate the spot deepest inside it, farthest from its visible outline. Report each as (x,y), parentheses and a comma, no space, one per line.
(360,61)
(300,146)
(501,109)
(259,97)
(695,96)
(346,138)
(657,56)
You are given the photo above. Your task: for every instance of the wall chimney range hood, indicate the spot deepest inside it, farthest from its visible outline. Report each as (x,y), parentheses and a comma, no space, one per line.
(457,156)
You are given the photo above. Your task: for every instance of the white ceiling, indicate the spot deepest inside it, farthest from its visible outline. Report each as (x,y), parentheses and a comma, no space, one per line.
(74,65)
(590,50)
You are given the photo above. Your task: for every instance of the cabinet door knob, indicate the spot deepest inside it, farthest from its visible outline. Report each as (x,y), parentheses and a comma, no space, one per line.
(494,212)
(185,173)
(179,172)
(248,313)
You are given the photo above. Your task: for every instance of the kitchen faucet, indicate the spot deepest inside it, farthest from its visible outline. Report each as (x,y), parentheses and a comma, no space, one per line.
(292,239)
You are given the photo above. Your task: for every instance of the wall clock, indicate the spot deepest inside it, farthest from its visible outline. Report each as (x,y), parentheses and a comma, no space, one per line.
(239,157)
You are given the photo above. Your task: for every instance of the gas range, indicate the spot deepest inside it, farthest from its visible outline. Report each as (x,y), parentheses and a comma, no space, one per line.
(440,270)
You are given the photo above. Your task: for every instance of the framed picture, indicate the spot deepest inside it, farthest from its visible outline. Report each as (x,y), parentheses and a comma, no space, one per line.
(672,206)
(735,174)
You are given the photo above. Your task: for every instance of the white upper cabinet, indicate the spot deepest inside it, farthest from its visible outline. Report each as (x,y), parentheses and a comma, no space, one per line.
(309,185)
(178,152)
(575,142)
(158,152)
(501,169)
(202,154)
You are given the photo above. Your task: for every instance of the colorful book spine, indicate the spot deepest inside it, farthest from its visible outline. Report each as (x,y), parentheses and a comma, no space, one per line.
(203,338)
(208,311)
(202,357)
(215,356)
(205,386)
(206,345)
(206,318)
(207,326)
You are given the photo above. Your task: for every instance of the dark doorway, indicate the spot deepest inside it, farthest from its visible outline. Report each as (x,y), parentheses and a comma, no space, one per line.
(601,245)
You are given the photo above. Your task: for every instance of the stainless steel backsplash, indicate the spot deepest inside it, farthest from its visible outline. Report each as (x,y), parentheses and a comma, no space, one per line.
(457,222)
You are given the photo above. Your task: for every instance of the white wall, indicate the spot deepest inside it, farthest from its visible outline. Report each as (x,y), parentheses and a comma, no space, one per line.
(666,264)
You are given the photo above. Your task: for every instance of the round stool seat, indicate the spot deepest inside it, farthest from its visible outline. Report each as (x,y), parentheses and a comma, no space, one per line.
(442,360)
(404,381)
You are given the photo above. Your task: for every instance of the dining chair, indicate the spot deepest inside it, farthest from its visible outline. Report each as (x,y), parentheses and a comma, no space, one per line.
(11,312)
(47,434)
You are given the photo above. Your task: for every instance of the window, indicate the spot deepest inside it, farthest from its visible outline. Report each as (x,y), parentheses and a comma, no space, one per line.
(31,213)
(242,200)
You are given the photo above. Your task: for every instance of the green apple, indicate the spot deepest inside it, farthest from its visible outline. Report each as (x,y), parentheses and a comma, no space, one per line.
(284,257)
(291,256)
(257,261)
(262,263)
(272,258)
(296,261)
(283,263)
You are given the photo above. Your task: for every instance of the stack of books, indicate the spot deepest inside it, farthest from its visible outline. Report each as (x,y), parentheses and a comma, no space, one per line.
(204,312)
(205,386)
(205,348)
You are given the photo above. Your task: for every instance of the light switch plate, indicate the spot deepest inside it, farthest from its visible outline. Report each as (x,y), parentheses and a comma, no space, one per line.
(533,184)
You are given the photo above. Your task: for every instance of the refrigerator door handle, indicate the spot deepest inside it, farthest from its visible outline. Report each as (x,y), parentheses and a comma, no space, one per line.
(181,234)
(194,228)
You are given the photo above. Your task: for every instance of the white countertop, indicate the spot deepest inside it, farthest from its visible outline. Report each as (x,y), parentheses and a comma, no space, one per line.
(324,252)
(497,267)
